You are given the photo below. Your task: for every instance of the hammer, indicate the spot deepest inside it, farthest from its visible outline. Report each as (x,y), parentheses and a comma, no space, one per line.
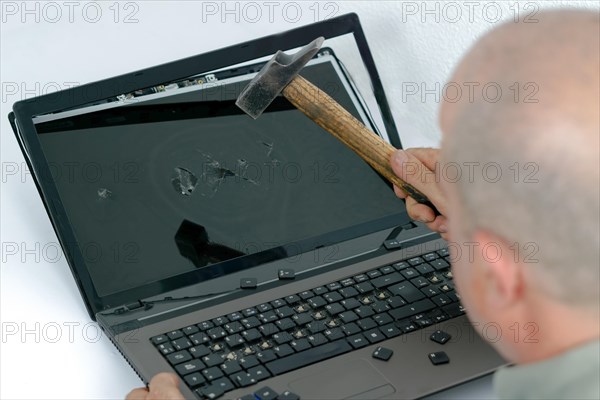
(280,75)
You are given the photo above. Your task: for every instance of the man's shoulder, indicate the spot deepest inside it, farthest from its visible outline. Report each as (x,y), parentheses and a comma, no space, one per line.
(573,374)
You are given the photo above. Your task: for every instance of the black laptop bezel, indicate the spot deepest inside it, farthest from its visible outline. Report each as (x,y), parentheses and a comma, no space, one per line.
(24,111)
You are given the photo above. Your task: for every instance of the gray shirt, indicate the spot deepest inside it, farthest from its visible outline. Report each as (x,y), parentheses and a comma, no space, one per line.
(574,374)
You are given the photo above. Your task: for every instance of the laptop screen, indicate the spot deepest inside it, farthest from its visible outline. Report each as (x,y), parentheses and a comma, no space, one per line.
(161,184)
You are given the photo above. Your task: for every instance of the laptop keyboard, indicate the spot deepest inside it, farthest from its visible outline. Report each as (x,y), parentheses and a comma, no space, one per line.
(245,347)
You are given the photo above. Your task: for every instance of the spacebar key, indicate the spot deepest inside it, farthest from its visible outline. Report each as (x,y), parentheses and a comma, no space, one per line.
(308,357)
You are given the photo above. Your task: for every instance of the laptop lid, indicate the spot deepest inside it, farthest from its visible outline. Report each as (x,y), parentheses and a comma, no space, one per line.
(167,184)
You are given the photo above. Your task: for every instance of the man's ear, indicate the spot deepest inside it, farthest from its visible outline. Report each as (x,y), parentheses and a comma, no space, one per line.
(501,269)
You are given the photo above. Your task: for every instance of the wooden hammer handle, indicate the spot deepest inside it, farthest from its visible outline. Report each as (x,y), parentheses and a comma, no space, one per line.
(332,117)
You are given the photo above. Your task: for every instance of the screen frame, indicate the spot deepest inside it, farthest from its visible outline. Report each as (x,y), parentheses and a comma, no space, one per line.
(24,111)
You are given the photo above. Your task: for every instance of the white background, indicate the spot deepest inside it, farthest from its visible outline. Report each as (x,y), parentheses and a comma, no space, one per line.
(49,347)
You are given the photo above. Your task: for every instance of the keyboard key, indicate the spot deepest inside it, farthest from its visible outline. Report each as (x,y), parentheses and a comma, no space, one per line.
(233,327)
(374,274)
(179,357)
(382,319)
(357,341)
(199,351)
(300,344)
(334,286)
(350,304)
(302,319)
(406,326)
(220,320)
(283,350)
(364,287)
(438,358)
(258,373)
(348,316)
(282,337)
(374,335)
(166,348)
(454,310)
(430,291)
(268,329)
(334,334)
(441,300)
(380,306)
(390,330)
(265,393)
(181,344)
(223,383)
(235,340)
(347,282)
(287,395)
(396,301)
(412,309)
(443,252)
(420,282)
(278,303)
(292,299)
(409,273)
(387,280)
(235,316)
(388,269)
(416,261)
(317,339)
(439,264)
(399,266)
(317,302)
(216,333)
(351,329)
(230,367)
(321,290)
(335,309)
(364,311)
(361,278)
(268,316)
(333,297)
(348,292)
(424,269)
(212,373)
(264,307)
(251,335)
(366,324)
(190,330)
(430,256)
(248,362)
(266,356)
(440,337)
(251,322)
(383,353)
(248,312)
(199,338)
(308,357)
(307,294)
(189,367)
(285,324)
(284,312)
(194,380)
(407,291)
(213,359)
(211,392)
(159,339)
(173,335)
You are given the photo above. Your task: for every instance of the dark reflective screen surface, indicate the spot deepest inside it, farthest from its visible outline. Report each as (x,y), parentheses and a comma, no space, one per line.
(169,186)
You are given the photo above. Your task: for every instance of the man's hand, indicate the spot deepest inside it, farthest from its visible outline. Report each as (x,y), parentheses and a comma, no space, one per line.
(417,167)
(163,386)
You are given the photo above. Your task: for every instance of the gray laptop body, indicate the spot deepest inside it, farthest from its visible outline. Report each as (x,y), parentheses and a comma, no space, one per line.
(256,259)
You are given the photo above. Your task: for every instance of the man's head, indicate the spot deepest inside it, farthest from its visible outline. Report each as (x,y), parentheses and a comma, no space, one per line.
(524,214)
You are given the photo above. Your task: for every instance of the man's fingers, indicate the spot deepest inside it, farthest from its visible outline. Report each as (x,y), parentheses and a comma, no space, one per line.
(165,386)
(419,212)
(137,394)
(414,172)
(427,155)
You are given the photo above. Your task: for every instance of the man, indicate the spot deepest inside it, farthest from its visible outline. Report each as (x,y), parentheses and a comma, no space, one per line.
(517,183)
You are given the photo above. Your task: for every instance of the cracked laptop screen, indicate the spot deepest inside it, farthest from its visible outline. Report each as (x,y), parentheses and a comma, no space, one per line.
(166,183)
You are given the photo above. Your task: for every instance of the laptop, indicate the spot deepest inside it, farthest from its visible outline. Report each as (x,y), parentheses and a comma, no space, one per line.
(256,259)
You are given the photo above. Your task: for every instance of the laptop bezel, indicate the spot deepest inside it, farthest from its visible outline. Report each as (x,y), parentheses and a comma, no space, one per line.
(24,111)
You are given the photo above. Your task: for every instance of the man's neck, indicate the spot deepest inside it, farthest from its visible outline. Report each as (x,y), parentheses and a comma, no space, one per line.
(559,328)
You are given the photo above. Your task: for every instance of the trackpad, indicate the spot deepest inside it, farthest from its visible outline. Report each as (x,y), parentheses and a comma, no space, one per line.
(358,380)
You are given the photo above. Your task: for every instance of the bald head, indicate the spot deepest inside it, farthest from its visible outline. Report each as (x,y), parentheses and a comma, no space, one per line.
(542,135)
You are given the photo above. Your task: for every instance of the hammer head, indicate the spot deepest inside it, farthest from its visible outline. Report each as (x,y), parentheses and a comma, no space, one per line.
(273,77)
